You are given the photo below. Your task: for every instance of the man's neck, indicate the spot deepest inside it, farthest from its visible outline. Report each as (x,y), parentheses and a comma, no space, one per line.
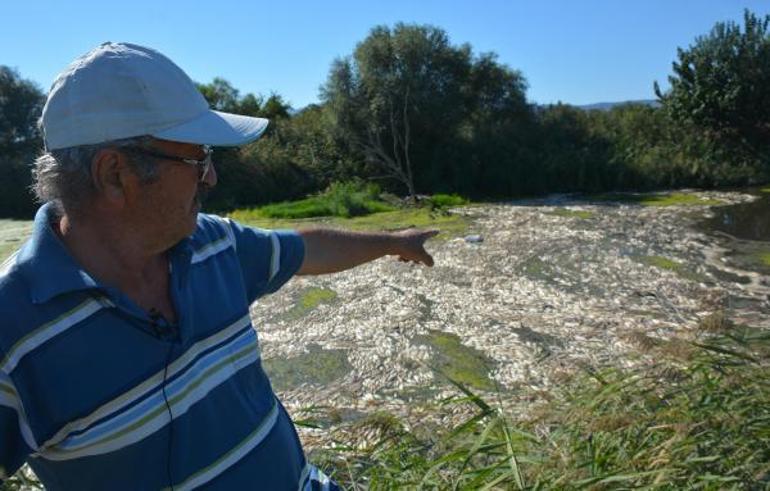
(114,255)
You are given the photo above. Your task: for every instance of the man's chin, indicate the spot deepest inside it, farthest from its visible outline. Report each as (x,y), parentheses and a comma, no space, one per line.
(200,197)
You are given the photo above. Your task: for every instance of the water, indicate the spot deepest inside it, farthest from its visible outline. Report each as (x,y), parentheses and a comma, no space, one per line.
(744,230)
(745,221)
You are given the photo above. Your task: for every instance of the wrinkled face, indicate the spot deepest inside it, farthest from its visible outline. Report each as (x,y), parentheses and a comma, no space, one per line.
(168,207)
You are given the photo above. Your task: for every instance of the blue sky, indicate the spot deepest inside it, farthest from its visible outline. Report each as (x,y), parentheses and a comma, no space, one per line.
(577,52)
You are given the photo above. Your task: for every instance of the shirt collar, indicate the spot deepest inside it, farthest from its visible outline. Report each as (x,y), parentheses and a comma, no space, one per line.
(50,269)
(46,264)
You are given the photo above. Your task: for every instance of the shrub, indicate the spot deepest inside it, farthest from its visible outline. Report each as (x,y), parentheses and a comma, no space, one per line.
(442,201)
(342,199)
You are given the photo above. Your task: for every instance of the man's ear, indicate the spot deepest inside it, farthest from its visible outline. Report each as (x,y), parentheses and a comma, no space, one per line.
(109,170)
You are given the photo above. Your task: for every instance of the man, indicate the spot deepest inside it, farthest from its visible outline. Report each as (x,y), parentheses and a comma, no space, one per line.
(128,356)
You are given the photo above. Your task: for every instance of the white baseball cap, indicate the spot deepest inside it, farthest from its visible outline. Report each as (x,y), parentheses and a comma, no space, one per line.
(121,90)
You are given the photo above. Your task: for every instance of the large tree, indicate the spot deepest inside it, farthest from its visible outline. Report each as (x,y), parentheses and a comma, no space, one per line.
(407,94)
(21,103)
(721,84)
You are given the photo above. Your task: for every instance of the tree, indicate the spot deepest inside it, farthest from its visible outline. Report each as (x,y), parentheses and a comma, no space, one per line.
(426,112)
(402,90)
(275,108)
(21,103)
(721,84)
(222,96)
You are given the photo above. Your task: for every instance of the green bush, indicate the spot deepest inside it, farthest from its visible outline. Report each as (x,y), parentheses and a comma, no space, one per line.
(346,199)
(349,199)
(443,201)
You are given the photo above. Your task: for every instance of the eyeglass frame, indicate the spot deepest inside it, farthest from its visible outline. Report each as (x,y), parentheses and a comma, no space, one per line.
(203,165)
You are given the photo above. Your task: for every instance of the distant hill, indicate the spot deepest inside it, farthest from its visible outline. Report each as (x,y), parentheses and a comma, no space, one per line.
(606,106)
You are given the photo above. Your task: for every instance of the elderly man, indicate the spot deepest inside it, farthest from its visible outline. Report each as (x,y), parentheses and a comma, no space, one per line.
(128,356)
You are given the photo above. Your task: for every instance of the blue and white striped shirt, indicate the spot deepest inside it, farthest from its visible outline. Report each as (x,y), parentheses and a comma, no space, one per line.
(96,394)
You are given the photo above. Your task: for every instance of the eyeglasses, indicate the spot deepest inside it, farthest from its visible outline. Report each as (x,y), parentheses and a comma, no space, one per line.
(203,165)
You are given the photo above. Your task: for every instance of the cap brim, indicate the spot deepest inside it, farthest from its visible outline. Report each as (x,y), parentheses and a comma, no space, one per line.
(216,128)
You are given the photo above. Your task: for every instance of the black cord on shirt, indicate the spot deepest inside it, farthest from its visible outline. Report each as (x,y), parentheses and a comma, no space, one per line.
(170,417)
(155,317)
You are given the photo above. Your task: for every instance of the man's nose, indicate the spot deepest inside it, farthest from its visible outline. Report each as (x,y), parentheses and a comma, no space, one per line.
(210,179)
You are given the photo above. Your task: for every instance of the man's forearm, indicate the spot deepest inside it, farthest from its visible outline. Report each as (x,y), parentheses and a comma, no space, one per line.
(330,251)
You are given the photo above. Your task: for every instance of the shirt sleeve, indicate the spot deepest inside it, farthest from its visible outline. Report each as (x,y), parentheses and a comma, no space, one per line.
(13,447)
(269,258)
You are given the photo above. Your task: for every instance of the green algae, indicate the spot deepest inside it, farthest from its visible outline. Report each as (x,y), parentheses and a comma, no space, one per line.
(682,270)
(764,258)
(678,199)
(309,300)
(662,263)
(659,199)
(318,367)
(462,364)
(314,297)
(567,213)
(537,269)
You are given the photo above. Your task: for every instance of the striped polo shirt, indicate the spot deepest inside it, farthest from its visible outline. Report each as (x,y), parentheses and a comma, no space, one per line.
(97,394)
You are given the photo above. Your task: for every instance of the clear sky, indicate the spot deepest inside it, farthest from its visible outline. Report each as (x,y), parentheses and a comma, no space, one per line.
(579,51)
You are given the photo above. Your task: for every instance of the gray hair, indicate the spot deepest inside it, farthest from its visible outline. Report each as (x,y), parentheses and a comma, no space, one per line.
(63,176)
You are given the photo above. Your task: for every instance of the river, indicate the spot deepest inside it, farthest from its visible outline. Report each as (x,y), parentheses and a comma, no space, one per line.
(556,285)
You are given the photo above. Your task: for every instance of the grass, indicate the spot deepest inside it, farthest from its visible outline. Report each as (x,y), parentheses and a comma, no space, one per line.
(450,225)
(13,233)
(659,199)
(6,249)
(567,213)
(695,416)
(356,207)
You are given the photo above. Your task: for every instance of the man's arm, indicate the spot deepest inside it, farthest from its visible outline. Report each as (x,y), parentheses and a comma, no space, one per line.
(330,251)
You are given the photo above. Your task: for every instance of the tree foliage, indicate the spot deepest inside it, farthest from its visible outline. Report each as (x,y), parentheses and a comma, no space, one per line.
(21,103)
(247,178)
(407,95)
(721,84)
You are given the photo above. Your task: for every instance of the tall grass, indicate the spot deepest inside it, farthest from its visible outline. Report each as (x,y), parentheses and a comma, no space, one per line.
(697,418)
